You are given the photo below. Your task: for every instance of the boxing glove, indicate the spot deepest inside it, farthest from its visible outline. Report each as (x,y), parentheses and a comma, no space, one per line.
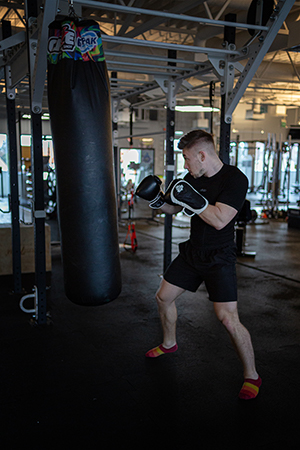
(149,189)
(167,198)
(183,194)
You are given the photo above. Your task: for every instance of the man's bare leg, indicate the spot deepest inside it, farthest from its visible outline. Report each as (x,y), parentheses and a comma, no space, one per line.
(165,298)
(227,313)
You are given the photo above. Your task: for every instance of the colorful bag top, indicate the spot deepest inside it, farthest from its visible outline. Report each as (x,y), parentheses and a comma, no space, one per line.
(79,40)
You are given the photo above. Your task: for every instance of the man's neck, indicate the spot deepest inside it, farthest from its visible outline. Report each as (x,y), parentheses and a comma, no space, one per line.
(214,168)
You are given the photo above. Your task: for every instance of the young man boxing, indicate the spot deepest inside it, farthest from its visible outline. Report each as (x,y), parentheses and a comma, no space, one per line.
(212,193)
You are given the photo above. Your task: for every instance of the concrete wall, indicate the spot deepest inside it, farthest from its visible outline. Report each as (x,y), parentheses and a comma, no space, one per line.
(26,126)
(251,130)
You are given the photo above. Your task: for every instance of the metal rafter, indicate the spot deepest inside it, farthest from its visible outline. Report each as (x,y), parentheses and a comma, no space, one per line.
(256,54)
(167,15)
(129,19)
(183,68)
(154,22)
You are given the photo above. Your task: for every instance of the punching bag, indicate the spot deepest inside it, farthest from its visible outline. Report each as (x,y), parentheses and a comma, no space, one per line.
(80,113)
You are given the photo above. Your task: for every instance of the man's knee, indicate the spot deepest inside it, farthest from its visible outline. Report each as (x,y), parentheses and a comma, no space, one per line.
(158,297)
(167,293)
(227,314)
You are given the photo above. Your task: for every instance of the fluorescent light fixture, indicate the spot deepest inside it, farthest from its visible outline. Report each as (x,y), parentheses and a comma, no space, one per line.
(178,133)
(196,108)
(280,110)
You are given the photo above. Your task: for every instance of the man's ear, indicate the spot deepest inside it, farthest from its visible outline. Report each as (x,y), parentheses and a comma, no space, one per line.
(202,155)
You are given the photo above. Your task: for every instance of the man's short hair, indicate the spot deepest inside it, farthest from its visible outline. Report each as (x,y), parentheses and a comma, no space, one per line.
(193,137)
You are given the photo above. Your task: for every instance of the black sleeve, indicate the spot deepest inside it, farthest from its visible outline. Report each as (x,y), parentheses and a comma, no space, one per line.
(235,189)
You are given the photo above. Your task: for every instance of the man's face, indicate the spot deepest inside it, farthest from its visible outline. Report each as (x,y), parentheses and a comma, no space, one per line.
(193,161)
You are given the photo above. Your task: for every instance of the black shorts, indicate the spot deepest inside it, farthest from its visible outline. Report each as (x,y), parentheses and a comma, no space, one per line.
(216,267)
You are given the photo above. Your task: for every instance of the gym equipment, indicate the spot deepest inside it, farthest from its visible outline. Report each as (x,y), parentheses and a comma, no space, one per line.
(133,240)
(245,216)
(276,165)
(50,191)
(79,105)
(131,227)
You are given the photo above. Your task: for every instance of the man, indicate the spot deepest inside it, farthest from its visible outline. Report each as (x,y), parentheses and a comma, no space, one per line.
(213,193)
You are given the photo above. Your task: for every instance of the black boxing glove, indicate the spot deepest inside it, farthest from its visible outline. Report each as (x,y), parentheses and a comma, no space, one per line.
(149,189)
(167,196)
(168,199)
(183,194)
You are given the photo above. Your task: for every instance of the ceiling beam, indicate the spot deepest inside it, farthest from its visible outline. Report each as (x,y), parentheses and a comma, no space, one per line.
(257,52)
(182,17)
(156,21)
(129,19)
(154,44)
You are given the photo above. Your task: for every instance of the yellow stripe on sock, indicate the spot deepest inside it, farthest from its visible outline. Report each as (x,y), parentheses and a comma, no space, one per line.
(251,386)
(159,351)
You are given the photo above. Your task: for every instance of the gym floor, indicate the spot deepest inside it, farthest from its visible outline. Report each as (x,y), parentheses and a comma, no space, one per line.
(83,379)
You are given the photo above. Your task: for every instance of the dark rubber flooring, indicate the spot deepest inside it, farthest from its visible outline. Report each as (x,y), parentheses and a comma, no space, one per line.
(83,381)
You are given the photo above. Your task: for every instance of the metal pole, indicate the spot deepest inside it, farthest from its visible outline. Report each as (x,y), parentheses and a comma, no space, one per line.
(211,103)
(289,172)
(39,217)
(37,169)
(115,126)
(2,187)
(131,126)
(229,37)
(298,165)
(170,133)
(13,169)
(115,104)
(237,150)
(177,47)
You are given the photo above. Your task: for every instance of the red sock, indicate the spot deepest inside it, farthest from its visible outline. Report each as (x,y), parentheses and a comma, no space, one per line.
(250,388)
(160,350)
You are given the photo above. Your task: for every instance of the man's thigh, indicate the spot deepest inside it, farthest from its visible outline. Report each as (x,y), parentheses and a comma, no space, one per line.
(221,283)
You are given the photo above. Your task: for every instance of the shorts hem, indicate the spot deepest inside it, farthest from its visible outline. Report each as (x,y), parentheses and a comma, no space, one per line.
(180,285)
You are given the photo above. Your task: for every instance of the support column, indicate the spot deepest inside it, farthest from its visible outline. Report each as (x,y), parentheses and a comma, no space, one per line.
(13,173)
(115,104)
(131,126)
(37,169)
(211,104)
(115,107)
(229,38)
(169,171)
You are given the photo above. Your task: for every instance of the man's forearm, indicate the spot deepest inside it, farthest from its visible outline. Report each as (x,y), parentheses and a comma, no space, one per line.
(218,215)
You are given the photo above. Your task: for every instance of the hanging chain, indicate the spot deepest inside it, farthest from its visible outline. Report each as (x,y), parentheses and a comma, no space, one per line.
(71,8)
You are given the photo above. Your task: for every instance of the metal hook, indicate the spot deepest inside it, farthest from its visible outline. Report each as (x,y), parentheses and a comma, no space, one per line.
(71,8)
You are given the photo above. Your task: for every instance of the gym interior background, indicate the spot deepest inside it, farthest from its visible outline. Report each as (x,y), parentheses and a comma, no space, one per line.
(75,374)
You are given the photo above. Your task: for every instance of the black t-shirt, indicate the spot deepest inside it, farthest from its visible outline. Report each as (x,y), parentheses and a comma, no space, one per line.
(228,186)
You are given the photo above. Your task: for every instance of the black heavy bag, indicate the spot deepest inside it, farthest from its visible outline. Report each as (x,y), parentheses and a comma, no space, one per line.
(79,106)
